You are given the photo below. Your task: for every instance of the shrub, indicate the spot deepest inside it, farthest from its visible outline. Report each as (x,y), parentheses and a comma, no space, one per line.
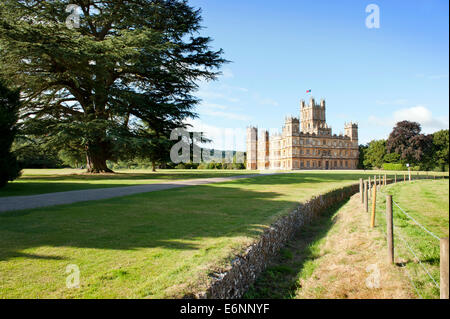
(180,166)
(394,167)
(203,166)
(9,114)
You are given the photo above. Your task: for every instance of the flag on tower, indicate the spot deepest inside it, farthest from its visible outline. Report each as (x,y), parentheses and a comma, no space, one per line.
(308,91)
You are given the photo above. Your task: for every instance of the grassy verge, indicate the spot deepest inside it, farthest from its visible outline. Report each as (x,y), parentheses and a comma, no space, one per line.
(428,203)
(295,262)
(154,245)
(337,256)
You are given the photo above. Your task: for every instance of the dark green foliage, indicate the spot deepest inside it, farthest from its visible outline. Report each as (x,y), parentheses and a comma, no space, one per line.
(89,89)
(374,155)
(9,108)
(441,144)
(392,158)
(407,145)
(33,152)
(394,167)
(362,156)
(413,147)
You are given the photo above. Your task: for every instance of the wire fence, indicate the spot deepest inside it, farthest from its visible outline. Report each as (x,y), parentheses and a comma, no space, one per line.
(380,181)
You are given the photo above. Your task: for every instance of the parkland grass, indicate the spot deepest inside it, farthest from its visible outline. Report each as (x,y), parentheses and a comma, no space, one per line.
(156,245)
(427,201)
(41,181)
(163,244)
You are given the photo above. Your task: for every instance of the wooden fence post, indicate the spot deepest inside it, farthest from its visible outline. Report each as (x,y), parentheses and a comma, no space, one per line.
(404,177)
(385,180)
(395,178)
(374,206)
(390,228)
(361,191)
(366,197)
(369,187)
(444,268)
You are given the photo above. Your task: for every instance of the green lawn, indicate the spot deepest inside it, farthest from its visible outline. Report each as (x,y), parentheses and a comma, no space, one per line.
(41,181)
(153,245)
(428,203)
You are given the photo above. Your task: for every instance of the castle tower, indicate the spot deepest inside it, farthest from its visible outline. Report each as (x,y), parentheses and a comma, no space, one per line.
(263,150)
(252,148)
(351,130)
(291,126)
(312,116)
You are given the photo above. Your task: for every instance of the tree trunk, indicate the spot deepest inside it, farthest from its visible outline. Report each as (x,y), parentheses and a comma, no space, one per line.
(96,160)
(153,166)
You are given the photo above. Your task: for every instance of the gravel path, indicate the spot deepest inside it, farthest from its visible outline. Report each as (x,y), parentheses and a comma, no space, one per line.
(60,198)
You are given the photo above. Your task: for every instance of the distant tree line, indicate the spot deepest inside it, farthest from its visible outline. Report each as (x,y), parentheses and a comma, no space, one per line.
(407,145)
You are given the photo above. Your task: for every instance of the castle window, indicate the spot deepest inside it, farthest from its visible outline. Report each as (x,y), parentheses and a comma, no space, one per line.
(307,164)
(307,153)
(346,164)
(301,164)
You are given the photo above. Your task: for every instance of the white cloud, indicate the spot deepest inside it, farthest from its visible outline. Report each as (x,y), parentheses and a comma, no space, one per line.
(418,113)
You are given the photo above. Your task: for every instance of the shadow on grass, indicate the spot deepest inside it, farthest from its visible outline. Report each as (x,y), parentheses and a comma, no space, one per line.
(176,219)
(38,188)
(42,184)
(280,280)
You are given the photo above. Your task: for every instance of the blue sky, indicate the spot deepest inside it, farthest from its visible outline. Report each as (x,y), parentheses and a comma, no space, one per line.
(279,49)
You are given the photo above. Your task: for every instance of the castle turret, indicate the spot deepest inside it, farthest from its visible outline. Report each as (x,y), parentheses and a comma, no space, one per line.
(291,126)
(312,117)
(252,148)
(263,150)
(351,130)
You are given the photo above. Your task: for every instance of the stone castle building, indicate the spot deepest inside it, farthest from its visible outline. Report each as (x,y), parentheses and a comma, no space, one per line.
(307,143)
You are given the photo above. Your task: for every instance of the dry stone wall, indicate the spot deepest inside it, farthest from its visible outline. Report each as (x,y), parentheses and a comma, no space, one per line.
(234,282)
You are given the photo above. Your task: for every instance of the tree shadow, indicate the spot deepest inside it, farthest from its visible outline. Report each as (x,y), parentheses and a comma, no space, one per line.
(280,280)
(42,184)
(178,219)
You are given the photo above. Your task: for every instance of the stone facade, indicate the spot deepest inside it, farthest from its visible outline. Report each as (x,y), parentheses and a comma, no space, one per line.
(305,144)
